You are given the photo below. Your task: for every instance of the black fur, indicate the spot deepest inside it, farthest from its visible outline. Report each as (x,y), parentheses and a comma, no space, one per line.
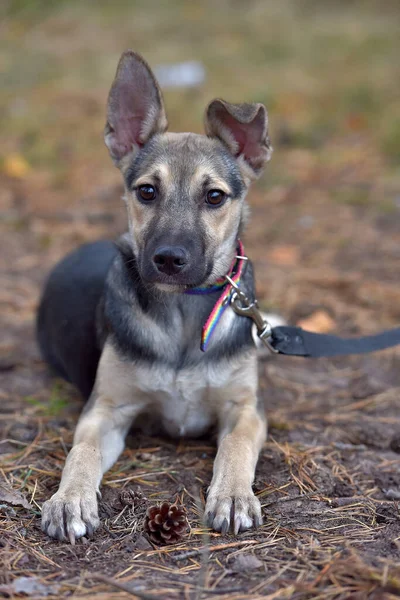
(66,322)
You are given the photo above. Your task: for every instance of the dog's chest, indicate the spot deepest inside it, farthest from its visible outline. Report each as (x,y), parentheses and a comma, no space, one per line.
(185,406)
(183,403)
(179,387)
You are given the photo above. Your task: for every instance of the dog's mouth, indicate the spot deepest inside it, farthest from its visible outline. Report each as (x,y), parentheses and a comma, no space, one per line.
(178,283)
(193,278)
(174,272)
(170,288)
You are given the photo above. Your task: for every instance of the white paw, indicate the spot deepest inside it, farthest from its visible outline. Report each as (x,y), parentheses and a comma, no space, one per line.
(70,514)
(235,512)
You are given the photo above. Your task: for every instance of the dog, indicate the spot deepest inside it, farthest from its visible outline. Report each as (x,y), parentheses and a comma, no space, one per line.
(123,322)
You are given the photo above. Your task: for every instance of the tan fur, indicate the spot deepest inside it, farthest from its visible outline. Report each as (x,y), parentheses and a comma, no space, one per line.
(187,405)
(207,170)
(137,221)
(234,466)
(185,401)
(220,225)
(98,441)
(221,248)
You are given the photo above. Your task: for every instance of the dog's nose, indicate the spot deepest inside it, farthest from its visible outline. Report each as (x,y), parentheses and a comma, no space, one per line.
(170,260)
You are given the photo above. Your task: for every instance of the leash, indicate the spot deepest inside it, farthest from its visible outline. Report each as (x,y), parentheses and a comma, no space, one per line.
(287,340)
(295,341)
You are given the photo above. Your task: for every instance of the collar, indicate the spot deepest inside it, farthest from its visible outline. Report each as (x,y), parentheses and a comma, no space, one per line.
(226,286)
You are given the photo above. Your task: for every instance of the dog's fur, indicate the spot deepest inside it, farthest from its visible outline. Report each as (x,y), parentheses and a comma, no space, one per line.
(122,330)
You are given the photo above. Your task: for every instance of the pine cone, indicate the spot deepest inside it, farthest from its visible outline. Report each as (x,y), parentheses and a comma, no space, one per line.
(166,524)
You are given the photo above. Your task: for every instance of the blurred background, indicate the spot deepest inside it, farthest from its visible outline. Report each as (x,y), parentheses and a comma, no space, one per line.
(324,237)
(326,214)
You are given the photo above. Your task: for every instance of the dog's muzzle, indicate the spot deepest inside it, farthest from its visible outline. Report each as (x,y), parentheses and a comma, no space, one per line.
(175,264)
(170,260)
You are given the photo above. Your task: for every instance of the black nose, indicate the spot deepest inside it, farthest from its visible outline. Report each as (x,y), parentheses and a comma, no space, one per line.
(170,260)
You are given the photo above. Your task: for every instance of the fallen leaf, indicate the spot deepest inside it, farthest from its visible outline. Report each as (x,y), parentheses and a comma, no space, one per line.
(391,494)
(31,586)
(142,544)
(246,562)
(287,255)
(356,121)
(318,322)
(11,496)
(16,166)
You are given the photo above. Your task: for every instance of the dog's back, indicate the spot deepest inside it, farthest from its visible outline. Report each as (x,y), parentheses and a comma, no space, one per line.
(66,324)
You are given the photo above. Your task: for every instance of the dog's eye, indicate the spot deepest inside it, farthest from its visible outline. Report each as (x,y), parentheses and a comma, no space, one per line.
(146,193)
(215,197)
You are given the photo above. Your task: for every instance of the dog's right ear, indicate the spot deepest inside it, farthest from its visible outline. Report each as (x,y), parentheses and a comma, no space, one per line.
(135,108)
(243,128)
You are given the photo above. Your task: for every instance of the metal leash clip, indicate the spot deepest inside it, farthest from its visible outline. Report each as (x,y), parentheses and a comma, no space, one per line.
(247,308)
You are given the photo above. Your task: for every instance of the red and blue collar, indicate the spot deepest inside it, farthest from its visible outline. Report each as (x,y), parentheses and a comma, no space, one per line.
(223,284)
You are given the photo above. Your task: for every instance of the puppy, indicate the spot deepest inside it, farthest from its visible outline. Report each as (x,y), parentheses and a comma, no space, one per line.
(125,323)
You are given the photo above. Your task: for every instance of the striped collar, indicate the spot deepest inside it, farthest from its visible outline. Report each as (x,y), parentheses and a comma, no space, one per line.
(224,285)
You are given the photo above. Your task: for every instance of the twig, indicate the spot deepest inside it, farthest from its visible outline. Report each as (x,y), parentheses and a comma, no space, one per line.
(231,590)
(351,447)
(135,477)
(293,498)
(123,587)
(204,555)
(198,551)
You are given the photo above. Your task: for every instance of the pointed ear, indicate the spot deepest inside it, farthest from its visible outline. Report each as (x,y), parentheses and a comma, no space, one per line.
(135,109)
(243,128)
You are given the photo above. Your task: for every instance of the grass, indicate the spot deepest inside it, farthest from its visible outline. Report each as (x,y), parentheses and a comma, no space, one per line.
(54,404)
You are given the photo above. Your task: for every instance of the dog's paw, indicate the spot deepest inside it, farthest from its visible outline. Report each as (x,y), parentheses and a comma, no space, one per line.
(70,514)
(234,512)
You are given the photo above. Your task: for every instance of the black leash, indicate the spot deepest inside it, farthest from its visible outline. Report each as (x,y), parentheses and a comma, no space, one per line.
(287,340)
(294,341)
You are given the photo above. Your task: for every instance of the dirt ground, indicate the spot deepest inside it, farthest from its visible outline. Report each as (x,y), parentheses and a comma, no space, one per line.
(325,240)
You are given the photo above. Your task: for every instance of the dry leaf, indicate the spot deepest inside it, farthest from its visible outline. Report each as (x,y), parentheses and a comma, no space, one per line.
(287,255)
(32,586)
(14,497)
(246,562)
(142,544)
(16,166)
(318,322)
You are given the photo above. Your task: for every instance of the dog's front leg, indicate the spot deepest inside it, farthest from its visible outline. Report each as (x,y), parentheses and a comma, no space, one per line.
(231,502)
(99,439)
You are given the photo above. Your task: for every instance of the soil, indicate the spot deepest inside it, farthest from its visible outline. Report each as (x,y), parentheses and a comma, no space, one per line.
(325,240)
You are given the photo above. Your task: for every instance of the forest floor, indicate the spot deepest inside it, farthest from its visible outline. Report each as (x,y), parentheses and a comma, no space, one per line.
(325,240)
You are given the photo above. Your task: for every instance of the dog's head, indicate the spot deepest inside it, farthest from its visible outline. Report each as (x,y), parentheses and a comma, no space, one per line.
(185,192)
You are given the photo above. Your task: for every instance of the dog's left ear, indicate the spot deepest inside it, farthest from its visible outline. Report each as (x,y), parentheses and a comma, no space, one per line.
(243,128)
(135,108)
